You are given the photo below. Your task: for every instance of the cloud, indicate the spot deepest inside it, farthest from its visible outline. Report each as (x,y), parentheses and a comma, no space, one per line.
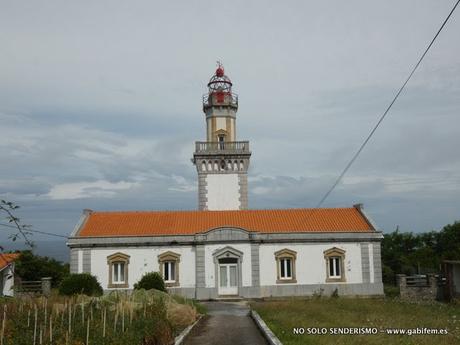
(96,189)
(99,115)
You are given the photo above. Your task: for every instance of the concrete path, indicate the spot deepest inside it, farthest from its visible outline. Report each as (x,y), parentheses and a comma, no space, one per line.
(227,323)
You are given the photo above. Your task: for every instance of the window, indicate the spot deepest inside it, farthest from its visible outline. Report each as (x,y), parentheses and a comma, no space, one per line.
(285,268)
(169,275)
(334,267)
(335,258)
(118,270)
(169,268)
(221,139)
(285,261)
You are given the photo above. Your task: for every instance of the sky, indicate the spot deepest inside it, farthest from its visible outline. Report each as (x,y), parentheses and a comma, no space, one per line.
(100,105)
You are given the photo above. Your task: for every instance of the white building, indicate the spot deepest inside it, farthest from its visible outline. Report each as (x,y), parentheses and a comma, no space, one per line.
(224,249)
(7,274)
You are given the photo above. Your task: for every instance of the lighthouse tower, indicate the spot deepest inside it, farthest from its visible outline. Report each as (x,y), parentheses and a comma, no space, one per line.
(221,161)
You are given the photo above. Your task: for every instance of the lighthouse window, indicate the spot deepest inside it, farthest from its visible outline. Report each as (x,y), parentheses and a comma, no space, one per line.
(221,139)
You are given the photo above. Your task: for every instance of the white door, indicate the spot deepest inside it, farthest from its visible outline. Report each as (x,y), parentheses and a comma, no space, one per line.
(228,279)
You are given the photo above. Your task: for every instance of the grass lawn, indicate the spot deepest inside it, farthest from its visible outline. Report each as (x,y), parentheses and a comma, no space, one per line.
(283,316)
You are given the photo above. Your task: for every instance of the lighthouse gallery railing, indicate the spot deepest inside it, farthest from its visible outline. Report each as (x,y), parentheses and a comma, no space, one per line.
(229,146)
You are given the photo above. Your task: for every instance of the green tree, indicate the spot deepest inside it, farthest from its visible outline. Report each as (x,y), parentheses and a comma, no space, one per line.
(448,244)
(410,253)
(33,267)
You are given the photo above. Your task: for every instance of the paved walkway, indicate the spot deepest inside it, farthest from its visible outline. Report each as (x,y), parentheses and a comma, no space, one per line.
(227,323)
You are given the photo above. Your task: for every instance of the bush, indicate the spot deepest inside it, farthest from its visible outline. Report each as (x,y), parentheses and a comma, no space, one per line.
(152,280)
(81,283)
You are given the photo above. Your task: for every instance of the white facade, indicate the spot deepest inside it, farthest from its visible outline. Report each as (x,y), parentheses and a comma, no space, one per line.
(255,265)
(310,262)
(7,280)
(142,260)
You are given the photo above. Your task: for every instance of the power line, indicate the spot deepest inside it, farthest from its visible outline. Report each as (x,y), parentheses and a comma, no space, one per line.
(355,156)
(30,230)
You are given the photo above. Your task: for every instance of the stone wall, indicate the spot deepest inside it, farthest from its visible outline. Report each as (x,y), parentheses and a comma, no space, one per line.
(417,291)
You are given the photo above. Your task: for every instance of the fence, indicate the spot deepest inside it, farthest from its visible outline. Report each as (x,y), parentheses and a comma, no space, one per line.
(33,287)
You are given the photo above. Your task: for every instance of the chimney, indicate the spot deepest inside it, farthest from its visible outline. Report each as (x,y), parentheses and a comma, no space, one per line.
(359,206)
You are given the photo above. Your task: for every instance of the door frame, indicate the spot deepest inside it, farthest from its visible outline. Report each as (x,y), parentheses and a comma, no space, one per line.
(220,290)
(227,252)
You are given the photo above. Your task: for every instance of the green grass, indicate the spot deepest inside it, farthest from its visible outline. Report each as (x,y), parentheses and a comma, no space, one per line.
(283,316)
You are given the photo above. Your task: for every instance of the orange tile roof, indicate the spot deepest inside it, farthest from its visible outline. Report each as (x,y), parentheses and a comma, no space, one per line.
(6,259)
(150,223)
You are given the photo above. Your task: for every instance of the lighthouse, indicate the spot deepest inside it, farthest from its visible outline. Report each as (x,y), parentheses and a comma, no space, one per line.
(221,161)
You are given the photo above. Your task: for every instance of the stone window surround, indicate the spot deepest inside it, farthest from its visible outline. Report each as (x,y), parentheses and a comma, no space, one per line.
(331,253)
(170,256)
(285,254)
(117,258)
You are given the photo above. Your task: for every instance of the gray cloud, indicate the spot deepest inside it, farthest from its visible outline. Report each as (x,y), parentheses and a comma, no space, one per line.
(100,105)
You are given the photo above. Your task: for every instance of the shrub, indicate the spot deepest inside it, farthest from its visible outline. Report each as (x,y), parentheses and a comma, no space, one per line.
(81,283)
(152,280)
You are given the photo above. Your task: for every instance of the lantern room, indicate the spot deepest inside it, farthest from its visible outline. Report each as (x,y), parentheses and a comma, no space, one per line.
(220,91)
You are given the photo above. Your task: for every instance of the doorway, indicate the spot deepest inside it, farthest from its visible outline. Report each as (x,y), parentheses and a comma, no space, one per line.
(228,276)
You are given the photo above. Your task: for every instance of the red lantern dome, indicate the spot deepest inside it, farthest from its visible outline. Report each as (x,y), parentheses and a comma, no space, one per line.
(220,91)
(220,72)
(219,81)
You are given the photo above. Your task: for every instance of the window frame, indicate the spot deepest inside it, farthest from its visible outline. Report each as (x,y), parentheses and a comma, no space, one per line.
(282,256)
(118,270)
(167,265)
(169,257)
(335,255)
(285,263)
(112,261)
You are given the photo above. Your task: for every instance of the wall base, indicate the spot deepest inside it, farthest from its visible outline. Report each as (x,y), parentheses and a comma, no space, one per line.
(268,291)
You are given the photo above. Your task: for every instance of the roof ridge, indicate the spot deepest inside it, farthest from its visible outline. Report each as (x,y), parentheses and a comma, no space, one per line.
(215,211)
